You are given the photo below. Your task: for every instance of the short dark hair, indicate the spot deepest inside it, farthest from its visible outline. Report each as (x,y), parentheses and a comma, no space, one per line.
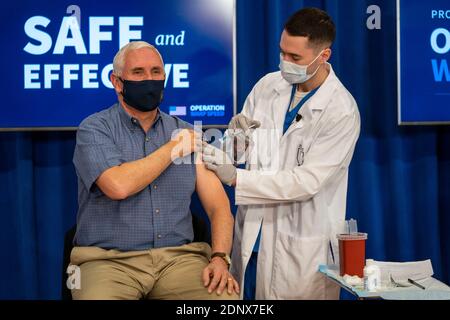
(313,23)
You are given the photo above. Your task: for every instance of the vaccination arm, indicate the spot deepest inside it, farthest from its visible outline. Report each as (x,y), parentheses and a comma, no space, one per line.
(217,206)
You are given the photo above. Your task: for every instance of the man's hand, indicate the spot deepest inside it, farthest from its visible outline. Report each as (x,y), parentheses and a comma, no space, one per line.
(218,161)
(185,142)
(217,276)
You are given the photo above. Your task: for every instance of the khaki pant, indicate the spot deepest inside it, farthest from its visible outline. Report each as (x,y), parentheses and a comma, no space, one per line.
(163,273)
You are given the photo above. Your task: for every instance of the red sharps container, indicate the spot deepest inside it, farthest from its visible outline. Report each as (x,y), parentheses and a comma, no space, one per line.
(352,254)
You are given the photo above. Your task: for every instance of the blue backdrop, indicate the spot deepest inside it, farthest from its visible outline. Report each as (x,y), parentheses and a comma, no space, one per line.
(399,178)
(37,99)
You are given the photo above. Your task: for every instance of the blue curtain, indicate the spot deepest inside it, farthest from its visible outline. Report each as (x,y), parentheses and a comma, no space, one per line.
(38,203)
(399,178)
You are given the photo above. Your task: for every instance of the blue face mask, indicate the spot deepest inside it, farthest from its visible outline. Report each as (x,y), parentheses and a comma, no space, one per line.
(144,95)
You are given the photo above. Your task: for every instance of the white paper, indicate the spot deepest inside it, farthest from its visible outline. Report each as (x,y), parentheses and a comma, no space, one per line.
(402,271)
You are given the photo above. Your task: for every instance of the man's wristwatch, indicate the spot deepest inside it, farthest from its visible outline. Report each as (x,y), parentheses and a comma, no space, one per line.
(224,256)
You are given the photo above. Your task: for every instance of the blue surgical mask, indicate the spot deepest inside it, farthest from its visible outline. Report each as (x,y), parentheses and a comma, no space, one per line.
(144,95)
(295,73)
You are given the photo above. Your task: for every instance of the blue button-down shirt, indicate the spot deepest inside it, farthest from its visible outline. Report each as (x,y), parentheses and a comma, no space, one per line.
(159,215)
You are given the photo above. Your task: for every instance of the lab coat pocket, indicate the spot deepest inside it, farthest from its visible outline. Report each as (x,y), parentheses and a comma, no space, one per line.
(296,263)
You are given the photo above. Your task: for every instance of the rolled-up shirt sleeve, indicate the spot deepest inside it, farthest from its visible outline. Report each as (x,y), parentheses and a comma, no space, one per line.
(95,152)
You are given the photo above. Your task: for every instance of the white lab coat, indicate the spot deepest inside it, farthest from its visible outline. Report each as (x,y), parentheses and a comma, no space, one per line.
(301,207)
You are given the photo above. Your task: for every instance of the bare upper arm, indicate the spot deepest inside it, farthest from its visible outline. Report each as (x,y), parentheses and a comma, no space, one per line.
(210,190)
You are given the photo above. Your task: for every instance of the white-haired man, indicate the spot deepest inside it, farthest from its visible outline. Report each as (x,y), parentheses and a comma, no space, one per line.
(134,230)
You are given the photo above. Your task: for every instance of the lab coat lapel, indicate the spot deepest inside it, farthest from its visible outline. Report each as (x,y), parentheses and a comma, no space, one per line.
(268,139)
(280,106)
(318,101)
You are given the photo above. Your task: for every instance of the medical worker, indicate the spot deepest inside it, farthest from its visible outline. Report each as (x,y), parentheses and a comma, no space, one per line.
(300,126)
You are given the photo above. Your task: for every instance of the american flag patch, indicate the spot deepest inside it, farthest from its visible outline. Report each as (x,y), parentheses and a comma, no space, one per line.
(177,110)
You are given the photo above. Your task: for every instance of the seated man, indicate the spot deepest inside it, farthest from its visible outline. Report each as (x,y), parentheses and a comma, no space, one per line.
(134,230)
